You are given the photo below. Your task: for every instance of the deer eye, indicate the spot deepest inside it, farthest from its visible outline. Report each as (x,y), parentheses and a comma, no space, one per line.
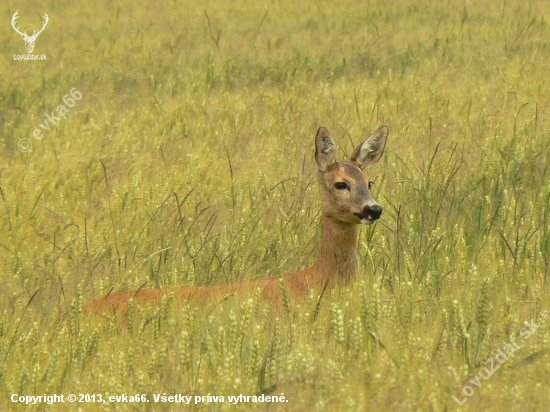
(371,184)
(341,185)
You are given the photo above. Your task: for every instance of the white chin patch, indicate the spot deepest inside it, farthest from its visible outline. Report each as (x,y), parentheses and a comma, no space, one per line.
(367,221)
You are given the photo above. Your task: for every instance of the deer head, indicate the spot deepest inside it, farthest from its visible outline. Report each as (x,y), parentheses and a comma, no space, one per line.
(29,40)
(345,185)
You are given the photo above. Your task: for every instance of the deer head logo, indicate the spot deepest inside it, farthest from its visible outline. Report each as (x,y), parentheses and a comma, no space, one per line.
(29,40)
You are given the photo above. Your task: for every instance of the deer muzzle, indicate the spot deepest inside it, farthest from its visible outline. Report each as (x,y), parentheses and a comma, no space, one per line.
(370,214)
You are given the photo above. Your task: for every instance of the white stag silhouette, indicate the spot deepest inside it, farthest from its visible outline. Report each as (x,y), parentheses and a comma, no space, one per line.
(29,40)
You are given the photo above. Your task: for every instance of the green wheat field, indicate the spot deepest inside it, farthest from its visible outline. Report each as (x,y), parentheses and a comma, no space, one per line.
(188,160)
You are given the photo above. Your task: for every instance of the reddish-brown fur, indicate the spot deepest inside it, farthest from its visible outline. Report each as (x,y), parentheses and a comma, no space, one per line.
(343,210)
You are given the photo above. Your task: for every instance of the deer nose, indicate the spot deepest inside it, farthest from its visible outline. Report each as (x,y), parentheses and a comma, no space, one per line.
(372,212)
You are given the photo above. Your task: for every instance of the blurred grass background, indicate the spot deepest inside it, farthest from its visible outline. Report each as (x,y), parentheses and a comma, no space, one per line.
(189,161)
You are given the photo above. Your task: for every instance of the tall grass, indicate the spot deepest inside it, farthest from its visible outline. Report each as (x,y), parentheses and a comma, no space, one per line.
(189,162)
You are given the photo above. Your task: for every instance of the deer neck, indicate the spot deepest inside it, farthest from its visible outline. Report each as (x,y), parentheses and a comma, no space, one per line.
(337,262)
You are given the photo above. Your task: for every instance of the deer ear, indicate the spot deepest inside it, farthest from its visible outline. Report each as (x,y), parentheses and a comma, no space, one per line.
(371,150)
(325,149)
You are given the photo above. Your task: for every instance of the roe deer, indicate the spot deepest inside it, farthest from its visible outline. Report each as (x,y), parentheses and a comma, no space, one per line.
(346,203)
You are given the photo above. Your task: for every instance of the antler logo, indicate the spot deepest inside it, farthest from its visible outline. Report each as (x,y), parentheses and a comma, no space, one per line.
(29,40)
